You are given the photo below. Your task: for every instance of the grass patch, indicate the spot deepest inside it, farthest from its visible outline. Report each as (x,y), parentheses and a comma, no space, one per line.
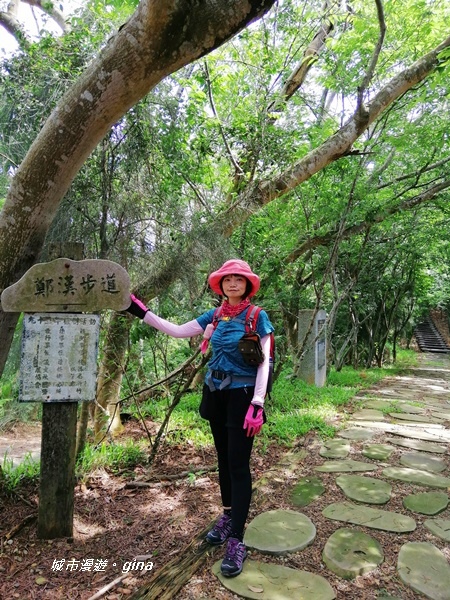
(294,409)
(16,475)
(113,457)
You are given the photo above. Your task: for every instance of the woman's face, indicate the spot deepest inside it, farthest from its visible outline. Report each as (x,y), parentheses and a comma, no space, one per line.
(234,287)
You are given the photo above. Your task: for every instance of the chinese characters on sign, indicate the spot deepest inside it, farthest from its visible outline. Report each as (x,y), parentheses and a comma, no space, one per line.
(69,286)
(59,354)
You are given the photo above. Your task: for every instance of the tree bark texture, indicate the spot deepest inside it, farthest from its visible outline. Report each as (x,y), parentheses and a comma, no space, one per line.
(57,479)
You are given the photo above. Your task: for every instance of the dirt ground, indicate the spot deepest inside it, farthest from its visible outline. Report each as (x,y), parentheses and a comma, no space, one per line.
(114,524)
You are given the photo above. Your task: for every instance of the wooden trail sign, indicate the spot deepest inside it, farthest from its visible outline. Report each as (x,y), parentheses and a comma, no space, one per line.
(59,364)
(65,285)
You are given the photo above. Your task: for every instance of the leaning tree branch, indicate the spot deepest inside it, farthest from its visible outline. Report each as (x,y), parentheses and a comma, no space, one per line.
(237,168)
(302,68)
(375,56)
(335,147)
(368,221)
(13,26)
(52,11)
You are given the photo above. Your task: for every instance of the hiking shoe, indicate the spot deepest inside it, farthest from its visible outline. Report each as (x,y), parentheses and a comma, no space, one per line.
(220,532)
(234,558)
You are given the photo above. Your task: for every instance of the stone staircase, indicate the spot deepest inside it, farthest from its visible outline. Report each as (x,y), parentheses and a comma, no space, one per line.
(429,339)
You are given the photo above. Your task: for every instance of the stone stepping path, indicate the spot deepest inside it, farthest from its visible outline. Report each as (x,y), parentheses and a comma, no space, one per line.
(418,445)
(265,581)
(357,434)
(377,451)
(373,518)
(350,553)
(417,477)
(368,414)
(335,449)
(364,489)
(398,438)
(439,527)
(426,503)
(415,418)
(280,532)
(307,490)
(424,568)
(341,466)
(418,460)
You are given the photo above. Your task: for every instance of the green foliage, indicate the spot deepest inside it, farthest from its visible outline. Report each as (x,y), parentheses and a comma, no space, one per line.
(295,408)
(113,457)
(27,471)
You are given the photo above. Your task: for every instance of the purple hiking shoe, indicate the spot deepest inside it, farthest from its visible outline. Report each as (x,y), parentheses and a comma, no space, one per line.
(234,558)
(220,532)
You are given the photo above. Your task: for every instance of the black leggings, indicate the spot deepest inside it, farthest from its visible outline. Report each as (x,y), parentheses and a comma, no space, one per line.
(233,453)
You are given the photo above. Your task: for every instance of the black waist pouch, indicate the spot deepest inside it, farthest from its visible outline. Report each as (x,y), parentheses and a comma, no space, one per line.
(250,347)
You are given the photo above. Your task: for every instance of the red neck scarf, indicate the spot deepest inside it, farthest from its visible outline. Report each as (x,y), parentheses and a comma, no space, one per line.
(230,311)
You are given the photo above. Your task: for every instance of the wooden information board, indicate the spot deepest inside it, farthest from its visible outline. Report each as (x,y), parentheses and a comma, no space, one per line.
(59,357)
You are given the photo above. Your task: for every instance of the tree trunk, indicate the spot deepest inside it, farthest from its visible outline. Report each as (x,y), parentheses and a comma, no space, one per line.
(82,428)
(111,374)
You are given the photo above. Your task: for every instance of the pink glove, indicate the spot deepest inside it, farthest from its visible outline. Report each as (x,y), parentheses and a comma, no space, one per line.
(254,420)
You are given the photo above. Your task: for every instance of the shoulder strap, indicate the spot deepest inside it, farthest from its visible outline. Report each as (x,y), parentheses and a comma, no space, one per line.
(251,318)
(216,316)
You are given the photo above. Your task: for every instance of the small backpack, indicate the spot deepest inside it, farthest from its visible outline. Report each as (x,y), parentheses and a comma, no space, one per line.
(250,343)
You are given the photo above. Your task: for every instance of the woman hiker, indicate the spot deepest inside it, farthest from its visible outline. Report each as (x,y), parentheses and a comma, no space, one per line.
(233,395)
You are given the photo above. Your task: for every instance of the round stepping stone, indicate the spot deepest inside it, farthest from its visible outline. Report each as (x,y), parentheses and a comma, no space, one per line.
(335,449)
(416,476)
(307,490)
(279,532)
(444,415)
(439,527)
(429,435)
(369,517)
(411,408)
(417,460)
(426,503)
(377,451)
(356,434)
(341,466)
(379,404)
(418,445)
(414,418)
(430,432)
(404,429)
(424,568)
(266,581)
(368,414)
(350,553)
(364,489)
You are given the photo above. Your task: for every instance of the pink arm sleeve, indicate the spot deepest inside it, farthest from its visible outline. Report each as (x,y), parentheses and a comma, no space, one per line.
(263,373)
(186,330)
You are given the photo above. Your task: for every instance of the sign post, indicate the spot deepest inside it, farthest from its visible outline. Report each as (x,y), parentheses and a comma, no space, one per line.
(59,364)
(313,368)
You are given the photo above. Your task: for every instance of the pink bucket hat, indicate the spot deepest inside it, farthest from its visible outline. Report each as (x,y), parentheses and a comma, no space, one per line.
(233,267)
